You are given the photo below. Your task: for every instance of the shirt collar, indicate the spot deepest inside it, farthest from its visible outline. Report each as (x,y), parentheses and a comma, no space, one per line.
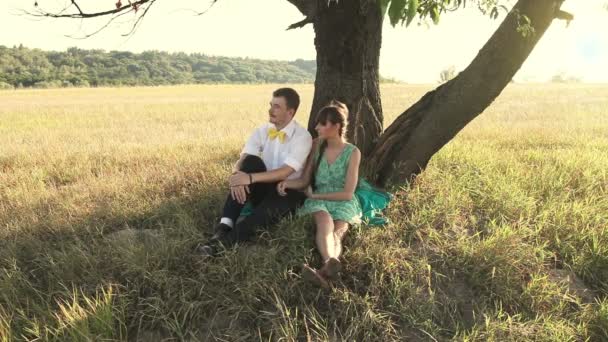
(290,128)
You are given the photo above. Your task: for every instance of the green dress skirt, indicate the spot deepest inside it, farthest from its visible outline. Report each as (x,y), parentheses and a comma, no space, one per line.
(331,178)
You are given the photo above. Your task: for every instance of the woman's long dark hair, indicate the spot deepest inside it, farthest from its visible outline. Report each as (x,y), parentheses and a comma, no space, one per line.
(335,112)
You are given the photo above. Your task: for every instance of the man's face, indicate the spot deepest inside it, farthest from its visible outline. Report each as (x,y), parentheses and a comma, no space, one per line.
(278,112)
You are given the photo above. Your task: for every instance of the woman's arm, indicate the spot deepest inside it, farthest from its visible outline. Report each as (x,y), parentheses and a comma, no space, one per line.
(352,176)
(304,180)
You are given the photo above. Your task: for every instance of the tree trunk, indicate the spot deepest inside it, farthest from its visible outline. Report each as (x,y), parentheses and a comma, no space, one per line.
(347,39)
(416,135)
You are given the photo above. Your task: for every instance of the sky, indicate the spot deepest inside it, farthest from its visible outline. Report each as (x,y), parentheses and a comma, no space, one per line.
(257,29)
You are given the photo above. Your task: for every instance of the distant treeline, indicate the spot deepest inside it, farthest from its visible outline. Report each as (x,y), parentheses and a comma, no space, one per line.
(24,67)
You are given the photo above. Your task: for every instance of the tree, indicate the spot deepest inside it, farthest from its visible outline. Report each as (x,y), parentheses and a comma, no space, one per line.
(562,77)
(348,35)
(32,67)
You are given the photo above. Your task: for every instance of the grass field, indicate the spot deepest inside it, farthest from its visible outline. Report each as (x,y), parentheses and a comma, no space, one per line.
(104,193)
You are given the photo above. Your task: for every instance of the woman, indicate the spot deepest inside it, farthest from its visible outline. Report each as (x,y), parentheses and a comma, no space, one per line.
(333,170)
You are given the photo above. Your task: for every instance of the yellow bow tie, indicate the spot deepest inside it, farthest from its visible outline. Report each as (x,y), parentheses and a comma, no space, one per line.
(274,133)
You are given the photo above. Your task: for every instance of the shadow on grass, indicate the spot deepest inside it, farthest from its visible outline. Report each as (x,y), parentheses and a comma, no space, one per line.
(134,276)
(411,280)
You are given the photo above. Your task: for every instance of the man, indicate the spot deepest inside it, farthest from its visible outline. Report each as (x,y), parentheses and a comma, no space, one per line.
(275,151)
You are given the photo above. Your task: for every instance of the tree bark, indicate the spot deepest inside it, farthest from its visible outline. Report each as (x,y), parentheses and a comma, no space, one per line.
(416,135)
(347,39)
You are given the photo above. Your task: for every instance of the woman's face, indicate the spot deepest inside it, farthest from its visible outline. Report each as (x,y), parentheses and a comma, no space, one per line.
(328,130)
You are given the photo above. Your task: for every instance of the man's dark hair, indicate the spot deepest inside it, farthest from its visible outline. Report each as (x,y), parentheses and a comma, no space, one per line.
(291,97)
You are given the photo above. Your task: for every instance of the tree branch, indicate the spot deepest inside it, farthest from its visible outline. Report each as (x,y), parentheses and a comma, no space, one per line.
(140,19)
(84,15)
(77,7)
(300,23)
(564,15)
(302,5)
(99,29)
(208,8)
(120,10)
(415,136)
(306,7)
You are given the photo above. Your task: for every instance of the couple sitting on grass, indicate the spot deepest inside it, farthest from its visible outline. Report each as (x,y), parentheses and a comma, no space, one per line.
(282,171)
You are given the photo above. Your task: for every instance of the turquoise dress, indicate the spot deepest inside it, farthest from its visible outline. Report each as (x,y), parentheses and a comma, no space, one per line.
(331,178)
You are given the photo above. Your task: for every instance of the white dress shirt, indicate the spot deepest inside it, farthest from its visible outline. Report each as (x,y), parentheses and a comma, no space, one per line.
(292,152)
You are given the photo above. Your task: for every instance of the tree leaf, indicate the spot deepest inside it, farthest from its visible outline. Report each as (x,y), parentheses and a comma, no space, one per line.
(412,9)
(435,14)
(395,11)
(384,6)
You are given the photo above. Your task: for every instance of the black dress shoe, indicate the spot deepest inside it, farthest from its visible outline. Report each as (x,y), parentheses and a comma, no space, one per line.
(205,250)
(220,230)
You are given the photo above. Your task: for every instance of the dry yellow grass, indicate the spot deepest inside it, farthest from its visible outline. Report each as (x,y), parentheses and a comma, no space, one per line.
(519,195)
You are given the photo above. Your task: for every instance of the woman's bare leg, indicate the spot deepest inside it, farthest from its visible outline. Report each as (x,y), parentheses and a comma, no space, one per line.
(331,266)
(340,229)
(325,235)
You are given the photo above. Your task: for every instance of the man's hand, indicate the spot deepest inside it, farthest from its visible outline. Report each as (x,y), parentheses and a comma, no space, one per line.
(282,188)
(239,178)
(239,193)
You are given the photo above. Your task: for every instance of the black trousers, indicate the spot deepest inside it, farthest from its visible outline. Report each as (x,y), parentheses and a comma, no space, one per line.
(268,206)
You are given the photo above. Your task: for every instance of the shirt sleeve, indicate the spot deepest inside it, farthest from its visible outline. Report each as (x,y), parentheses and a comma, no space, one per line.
(255,143)
(297,155)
